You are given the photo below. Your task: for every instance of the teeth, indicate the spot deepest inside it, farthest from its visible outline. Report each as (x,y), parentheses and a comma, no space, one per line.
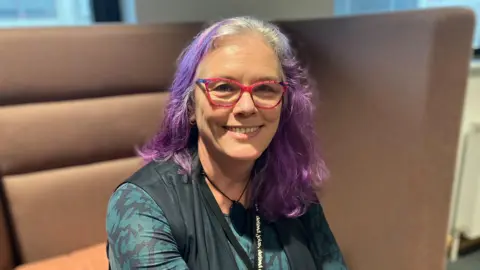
(243,130)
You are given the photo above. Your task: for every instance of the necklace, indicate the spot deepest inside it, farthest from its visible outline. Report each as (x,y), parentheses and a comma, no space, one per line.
(238,213)
(257,264)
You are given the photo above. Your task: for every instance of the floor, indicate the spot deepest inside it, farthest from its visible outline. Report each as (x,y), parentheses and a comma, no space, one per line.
(468,262)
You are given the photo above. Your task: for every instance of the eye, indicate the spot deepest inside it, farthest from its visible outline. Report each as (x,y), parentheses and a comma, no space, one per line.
(264,88)
(223,87)
(268,88)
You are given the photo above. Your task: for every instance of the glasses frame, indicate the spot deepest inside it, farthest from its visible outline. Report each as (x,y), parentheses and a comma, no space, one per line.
(243,89)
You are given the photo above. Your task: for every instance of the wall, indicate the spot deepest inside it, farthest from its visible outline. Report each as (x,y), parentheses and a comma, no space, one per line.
(151,11)
(471,114)
(471,111)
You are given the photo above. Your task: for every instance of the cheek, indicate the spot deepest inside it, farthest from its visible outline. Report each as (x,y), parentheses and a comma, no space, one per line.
(201,106)
(272,116)
(272,119)
(209,118)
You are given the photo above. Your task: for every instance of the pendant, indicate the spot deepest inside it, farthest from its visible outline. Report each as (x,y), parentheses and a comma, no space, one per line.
(238,216)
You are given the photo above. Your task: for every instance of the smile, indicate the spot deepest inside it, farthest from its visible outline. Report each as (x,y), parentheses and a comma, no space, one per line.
(243,130)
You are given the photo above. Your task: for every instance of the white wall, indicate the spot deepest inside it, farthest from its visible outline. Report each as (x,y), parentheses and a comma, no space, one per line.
(151,11)
(471,111)
(471,114)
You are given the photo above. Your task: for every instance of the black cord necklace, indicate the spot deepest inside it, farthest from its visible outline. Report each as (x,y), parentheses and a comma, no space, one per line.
(238,213)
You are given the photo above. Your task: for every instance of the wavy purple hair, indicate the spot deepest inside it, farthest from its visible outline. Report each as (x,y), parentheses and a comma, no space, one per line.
(290,171)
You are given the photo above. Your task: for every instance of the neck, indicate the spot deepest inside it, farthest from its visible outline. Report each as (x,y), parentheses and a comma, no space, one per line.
(227,174)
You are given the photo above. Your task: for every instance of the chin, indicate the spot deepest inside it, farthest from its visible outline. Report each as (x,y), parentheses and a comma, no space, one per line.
(244,153)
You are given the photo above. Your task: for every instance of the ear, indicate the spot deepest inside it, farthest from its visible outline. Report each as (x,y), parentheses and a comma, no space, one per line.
(192,119)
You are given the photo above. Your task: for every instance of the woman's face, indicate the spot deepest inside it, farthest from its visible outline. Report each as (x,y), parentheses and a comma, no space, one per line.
(242,131)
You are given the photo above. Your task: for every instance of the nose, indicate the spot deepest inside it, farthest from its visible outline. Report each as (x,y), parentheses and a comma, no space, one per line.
(245,105)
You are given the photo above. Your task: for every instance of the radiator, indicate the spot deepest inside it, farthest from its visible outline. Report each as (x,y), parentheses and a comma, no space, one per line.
(467,217)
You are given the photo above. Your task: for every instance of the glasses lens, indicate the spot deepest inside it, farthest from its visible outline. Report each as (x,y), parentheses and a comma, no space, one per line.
(267,94)
(224,92)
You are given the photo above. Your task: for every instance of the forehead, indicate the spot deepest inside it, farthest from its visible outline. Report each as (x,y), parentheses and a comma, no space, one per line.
(244,57)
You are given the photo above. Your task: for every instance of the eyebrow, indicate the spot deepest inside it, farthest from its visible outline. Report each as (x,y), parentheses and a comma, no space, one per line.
(255,79)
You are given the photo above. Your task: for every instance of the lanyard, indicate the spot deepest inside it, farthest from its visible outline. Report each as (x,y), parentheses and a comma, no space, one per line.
(212,203)
(258,240)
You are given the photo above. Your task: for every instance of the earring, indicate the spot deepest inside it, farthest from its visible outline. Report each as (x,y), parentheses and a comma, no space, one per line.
(192,122)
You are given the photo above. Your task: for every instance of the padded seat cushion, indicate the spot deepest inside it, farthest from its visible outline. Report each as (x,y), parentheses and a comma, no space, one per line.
(90,258)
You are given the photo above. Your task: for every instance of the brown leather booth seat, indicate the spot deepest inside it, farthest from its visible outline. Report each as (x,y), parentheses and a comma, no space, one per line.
(75,102)
(89,258)
(74,105)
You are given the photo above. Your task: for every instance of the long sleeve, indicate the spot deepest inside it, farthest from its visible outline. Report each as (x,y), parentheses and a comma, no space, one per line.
(139,235)
(324,240)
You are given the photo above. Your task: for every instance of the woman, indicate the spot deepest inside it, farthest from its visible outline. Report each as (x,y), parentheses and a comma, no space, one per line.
(233,172)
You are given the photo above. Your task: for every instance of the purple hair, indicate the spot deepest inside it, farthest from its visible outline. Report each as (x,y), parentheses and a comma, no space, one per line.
(290,171)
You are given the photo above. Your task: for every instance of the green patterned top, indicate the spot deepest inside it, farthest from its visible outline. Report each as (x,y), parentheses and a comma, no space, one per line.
(140,237)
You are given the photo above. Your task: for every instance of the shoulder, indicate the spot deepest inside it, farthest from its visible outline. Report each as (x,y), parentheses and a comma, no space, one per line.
(165,172)
(130,212)
(313,215)
(145,199)
(131,197)
(138,232)
(316,221)
(323,238)
(127,203)
(315,209)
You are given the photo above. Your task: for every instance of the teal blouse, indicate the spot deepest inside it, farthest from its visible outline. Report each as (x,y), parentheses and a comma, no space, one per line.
(140,237)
